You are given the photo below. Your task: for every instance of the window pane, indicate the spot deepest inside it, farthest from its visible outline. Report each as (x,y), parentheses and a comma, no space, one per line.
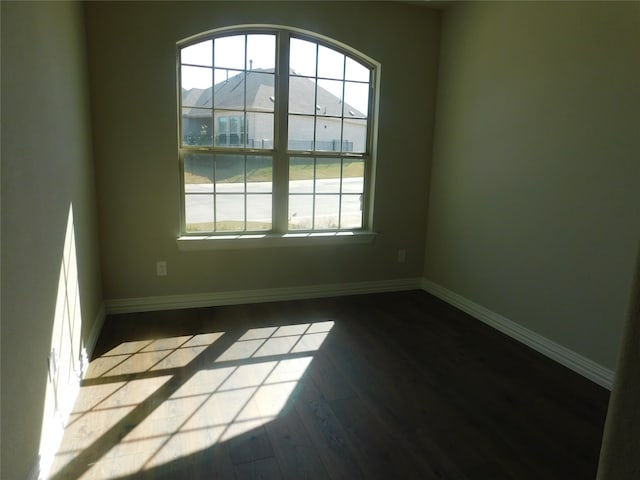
(259,174)
(301,132)
(196,97)
(260,130)
(328,175)
(301,175)
(237,131)
(198,54)
(222,75)
(351,211)
(353,176)
(229,52)
(355,135)
(302,57)
(261,52)
(329,98)
(229,213)
(328,134)
(229,93)
(196,127)
(302,94)
(195,77)
(198,173)
(260,91)
(356,99)
(221,130)
(229,173)
(259,212)
(198,213)
(300,212)
(330,63)
(326,212)
(356,71)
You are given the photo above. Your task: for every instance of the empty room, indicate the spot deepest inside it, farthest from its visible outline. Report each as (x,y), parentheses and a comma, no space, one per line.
(325,240)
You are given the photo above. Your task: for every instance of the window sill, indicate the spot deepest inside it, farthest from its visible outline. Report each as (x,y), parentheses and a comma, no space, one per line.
(272,240)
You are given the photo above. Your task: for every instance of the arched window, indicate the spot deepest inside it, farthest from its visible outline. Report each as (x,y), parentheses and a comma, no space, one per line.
(275,133)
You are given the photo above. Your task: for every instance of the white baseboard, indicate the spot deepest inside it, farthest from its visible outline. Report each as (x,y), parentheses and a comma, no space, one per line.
(94,333)
(34,473)
(570,359)
(172,302)
(95,330)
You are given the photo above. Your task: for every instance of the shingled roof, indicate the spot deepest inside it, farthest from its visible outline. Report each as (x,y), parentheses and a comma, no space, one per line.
(260,91)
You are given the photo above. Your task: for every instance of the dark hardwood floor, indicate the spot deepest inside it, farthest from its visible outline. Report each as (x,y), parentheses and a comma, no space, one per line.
(396,385)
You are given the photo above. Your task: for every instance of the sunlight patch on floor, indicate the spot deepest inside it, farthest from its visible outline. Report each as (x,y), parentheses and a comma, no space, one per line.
(245,387)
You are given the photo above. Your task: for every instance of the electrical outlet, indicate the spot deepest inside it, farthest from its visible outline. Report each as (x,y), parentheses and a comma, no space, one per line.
(402,255)
(161,268)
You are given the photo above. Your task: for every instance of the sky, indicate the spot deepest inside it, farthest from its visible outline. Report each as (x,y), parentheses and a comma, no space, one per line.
(229,53)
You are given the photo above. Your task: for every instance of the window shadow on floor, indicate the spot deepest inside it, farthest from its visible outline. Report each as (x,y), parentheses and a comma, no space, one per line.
(188,401)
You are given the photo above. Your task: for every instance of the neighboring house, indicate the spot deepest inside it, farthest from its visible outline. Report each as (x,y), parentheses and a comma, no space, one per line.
(228,127)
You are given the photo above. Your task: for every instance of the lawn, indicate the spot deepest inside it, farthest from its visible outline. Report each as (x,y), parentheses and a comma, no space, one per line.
(231,170)
(228,226)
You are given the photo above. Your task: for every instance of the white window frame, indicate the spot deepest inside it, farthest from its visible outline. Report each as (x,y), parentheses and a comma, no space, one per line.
(280,235)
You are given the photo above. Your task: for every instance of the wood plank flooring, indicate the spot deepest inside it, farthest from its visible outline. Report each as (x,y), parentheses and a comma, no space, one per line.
(384,386)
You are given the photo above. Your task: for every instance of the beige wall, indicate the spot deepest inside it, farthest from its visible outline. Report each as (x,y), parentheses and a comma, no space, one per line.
(131,49)
(46,168)
(534,205)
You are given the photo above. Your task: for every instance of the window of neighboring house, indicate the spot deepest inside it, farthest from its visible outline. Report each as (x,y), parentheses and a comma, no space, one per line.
(231,131)
(222,137)
(275,133)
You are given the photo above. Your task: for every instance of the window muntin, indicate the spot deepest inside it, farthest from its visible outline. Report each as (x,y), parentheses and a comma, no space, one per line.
(232,100)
